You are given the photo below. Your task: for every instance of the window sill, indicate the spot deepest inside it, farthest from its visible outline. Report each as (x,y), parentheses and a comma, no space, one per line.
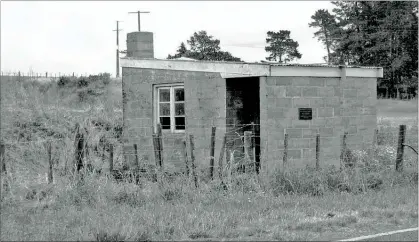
(173,132)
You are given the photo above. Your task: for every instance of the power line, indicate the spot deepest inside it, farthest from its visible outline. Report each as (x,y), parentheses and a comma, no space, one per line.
(139,13)
(117,47)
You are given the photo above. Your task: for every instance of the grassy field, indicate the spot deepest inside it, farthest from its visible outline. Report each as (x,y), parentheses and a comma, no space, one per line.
(302,205)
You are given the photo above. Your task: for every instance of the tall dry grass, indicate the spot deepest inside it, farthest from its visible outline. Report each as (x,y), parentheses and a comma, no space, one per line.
(284,205)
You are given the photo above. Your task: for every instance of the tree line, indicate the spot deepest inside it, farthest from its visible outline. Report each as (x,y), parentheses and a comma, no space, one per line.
(358,33)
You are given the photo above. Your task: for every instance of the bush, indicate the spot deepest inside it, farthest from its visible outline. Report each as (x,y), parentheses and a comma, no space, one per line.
(82,82)
(63,81)
(104,77)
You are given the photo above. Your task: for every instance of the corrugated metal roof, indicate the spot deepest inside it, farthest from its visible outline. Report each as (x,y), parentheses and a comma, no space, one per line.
(184,58)
(259,63)
(324,65)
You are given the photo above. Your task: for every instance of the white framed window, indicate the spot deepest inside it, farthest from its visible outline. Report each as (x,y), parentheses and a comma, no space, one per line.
(169,108)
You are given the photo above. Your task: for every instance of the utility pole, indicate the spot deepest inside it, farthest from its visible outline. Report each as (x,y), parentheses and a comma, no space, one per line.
(117,47)
(139,13)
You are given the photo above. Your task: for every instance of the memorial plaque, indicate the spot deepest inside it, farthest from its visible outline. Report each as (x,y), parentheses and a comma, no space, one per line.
(305,114)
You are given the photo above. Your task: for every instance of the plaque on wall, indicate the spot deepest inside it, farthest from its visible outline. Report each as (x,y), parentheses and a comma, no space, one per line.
(305,114)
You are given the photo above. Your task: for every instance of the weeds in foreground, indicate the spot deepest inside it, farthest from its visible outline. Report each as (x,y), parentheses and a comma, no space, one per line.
(96,207)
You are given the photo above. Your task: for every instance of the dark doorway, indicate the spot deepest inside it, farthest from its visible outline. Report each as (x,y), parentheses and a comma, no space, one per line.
(242,109)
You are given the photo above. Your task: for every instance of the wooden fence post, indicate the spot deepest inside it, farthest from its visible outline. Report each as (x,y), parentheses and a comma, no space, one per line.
(192,147)
(103,152)
(317,151)
(254,146)
(400,150)
(285,159)
(375,142)
(185,153)
(111,158)
(137,164)
(343,150)
(160,146)
(247,146)
(220,161)
(212,151)
(375,138)
(79,148)
(86,159)
(156,149)
(3,158)
(49,150)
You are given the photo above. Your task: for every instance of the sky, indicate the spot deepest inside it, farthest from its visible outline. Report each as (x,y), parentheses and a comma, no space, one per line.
(76,36)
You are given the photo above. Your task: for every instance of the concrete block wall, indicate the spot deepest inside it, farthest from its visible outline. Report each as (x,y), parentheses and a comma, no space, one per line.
(204,105)
(337,105)
(358,110)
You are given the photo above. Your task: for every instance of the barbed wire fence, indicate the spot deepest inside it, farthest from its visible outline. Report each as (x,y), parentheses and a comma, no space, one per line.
(31,75)
(225,148)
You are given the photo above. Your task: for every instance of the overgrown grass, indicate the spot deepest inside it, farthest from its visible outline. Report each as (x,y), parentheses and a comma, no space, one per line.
(284,205)
(99,208)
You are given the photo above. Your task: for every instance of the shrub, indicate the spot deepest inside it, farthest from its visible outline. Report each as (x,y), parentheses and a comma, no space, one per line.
(63,81)
(82,82)
(105,77)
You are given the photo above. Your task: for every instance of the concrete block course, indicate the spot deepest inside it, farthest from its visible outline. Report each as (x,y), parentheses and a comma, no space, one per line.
(325,112)
(294,133)
(310,91)
(331,102)
(284,102)
(332,82)
(300,123)
(318,82)
(317,102)
(326,132)
(299,143)
(300,81)
(300,102)
(294,154)
(280,81)
(293,91)
(326,92)
(350,93)
(310,133)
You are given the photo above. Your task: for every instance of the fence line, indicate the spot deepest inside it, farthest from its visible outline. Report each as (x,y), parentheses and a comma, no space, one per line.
(45,74)
(81,149)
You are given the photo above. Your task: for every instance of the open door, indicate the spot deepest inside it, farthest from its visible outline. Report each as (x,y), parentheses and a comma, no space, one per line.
(243,109)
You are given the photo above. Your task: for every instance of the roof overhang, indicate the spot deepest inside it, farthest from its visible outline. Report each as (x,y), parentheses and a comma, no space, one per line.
(241,69)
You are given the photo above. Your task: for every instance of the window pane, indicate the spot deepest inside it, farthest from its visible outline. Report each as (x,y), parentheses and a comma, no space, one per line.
(180,123)
(179,94)
(165,122)
(179,108)
(164,109)
(164,95)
